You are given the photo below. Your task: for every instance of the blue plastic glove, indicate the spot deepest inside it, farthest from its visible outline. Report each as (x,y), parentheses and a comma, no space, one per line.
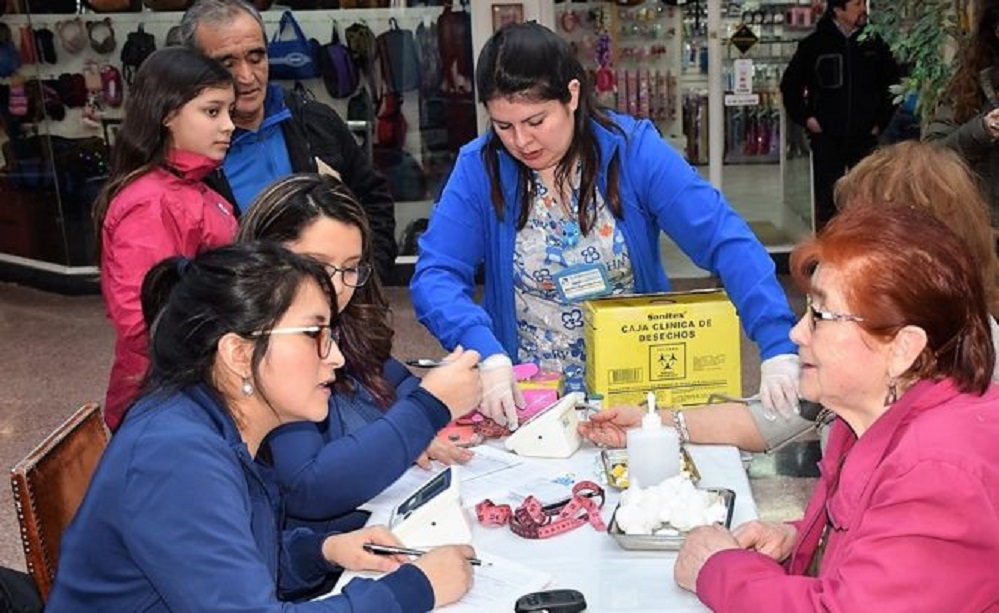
(779,385)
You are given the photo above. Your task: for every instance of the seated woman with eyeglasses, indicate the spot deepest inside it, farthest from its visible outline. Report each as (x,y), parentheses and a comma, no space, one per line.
(328,467)
(896,342)
(178,516)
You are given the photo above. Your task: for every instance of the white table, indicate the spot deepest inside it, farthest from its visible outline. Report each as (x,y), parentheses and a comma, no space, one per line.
(612,578)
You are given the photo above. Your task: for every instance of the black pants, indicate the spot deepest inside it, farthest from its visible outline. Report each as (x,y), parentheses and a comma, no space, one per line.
(832,156)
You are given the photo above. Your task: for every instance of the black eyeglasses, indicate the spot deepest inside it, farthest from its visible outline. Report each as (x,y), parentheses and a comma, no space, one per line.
(324,335)
(816,315)
(353,276)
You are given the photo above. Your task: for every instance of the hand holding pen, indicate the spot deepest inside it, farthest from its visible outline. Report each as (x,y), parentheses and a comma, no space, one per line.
(456,382)
(448,568)
(392,550)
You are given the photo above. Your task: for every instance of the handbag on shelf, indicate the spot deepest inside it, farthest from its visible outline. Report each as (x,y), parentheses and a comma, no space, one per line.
(295,58)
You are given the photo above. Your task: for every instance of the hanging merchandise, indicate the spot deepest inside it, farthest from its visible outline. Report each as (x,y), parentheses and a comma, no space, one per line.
(111,88)
(397,58)
(28,52)
(101,33)
(167,5)
(138,46)
(454,37)
(340,75)
(72,35)
(10,61)
(113,6)
(295,58)
(429,55)
(45,45)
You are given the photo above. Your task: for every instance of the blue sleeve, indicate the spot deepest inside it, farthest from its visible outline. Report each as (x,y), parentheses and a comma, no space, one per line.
(399,377)
(188,525)
(345,472)
(454,245)
(695,215)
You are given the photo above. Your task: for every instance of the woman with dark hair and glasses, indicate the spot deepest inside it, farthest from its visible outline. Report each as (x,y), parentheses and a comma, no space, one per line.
(378,408)
(178,515)
(176,130)
(896,342)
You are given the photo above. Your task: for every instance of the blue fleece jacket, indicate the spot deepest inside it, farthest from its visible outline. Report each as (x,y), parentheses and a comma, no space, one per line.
(331,468)
(257,158)
(659,191)
(178,517)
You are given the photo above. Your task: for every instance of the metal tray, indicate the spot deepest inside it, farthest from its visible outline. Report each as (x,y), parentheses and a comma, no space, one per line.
(664,542)
(611,458)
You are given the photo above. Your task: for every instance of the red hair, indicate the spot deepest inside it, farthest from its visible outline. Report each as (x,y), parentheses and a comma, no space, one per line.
(902,266)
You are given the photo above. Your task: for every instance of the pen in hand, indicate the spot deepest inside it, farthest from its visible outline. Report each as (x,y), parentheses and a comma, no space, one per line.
(388,550)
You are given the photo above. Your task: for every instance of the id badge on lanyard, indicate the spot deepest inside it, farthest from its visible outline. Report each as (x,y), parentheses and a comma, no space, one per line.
(582,282)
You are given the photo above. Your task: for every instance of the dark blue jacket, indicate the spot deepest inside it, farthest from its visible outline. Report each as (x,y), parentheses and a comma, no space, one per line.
(333,467)
(178,517)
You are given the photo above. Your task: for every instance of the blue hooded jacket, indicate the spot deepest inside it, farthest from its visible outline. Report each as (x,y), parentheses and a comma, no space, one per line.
(659,191)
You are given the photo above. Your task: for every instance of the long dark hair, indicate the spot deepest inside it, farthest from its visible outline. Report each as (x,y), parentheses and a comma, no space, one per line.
(282,212)
(167,80)
(980,51)
(529,62)
(190,304)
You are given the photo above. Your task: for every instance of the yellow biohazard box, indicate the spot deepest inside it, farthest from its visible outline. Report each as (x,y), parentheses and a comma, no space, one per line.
(684,342)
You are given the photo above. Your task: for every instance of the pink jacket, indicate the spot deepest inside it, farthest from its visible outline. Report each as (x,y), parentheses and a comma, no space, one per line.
(158,215)
(914,515)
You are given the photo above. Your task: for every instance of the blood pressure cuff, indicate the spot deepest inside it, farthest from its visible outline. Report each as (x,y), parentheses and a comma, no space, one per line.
(778,431)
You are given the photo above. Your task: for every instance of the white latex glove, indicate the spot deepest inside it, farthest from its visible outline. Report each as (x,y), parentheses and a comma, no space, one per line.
(500,394)
(779,385)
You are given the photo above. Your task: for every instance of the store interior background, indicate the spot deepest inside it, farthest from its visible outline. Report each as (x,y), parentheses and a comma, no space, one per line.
(667,63)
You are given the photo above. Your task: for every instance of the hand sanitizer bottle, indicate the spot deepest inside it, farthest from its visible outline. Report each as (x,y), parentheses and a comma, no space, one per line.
(653,450)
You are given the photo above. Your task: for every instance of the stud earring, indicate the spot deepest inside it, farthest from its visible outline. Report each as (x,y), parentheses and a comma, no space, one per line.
(247,387)
(892,395)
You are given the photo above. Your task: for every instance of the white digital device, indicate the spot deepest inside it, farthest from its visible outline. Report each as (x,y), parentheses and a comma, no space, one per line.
(550,433)
(432,515)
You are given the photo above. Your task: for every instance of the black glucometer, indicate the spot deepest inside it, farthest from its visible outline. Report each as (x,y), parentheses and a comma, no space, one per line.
(552,601)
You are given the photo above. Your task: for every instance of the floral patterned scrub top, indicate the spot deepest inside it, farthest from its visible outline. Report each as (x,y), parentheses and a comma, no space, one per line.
(550,327)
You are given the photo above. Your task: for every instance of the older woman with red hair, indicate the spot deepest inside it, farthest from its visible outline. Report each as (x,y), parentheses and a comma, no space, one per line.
(896,342)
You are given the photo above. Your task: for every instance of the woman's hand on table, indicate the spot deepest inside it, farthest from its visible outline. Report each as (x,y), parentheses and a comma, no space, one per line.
(772,539)
(701,543)
(609,427)
(449,571)
(445,452)
(347,550)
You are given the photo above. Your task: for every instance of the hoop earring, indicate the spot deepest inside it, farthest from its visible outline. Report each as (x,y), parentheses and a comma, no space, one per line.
(247,387)
(892,396)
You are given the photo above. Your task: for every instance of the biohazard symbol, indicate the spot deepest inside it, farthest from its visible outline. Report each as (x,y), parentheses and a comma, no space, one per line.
(667,362)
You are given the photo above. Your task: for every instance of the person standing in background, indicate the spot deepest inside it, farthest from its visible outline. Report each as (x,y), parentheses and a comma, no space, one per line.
(836,86)
(968,121)
(559,194)
(176,130)
(279,132)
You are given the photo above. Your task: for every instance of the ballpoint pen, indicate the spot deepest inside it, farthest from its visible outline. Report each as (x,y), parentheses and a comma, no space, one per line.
(388,550)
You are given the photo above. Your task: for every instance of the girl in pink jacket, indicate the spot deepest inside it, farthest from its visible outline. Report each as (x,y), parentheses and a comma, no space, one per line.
(896,342)
(176,130)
